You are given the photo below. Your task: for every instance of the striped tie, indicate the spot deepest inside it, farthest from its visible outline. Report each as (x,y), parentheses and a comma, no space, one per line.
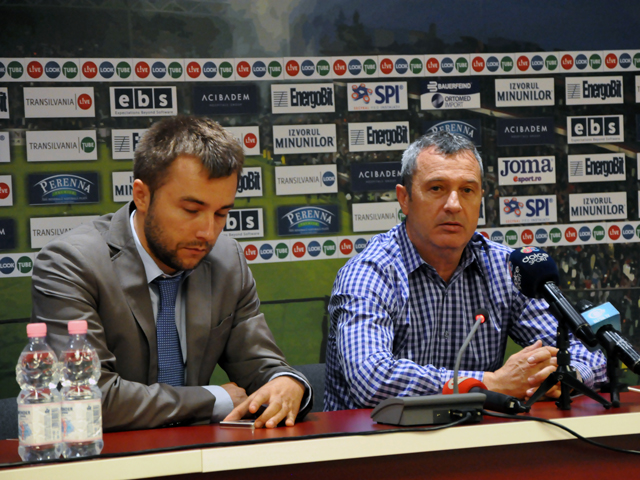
(170,365)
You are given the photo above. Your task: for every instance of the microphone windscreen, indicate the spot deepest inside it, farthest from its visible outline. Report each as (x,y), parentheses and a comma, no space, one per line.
(464,385)
(483,312)
(531,268)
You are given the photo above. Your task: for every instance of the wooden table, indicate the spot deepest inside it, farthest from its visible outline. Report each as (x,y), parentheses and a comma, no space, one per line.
(336,445)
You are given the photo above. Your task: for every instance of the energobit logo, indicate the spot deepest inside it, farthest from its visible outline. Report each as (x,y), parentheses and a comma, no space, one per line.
(52,69)
(346,247)
(89,69)
(314,248)
(34,69)
(355,67)
(339,67)
(194,70)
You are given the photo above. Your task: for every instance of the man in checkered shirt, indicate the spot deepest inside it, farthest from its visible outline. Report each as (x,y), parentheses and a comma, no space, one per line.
(401,310)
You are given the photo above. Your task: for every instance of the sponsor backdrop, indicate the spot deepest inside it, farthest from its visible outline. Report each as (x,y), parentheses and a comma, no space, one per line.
(323,136)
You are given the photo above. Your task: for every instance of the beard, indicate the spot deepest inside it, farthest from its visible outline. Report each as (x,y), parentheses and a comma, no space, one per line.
(157,242)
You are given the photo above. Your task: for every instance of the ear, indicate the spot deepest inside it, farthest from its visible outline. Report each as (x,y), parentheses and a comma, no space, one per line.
(141,196)
(403,198)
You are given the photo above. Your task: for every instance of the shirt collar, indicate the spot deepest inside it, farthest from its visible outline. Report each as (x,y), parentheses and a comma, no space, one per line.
(151,268)
(413,260)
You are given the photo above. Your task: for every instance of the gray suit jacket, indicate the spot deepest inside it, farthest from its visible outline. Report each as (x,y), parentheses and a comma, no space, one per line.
(94,273)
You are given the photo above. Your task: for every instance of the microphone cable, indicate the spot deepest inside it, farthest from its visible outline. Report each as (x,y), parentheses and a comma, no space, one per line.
(566,429)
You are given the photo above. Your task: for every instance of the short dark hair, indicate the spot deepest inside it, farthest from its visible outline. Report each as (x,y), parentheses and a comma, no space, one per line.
(445,143)
(219,152)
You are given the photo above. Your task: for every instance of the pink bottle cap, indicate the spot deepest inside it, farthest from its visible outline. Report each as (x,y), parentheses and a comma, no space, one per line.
(36,330)
(77,327)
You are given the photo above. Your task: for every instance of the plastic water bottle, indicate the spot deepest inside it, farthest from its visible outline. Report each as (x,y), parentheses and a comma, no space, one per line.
(81,397)
(37,373)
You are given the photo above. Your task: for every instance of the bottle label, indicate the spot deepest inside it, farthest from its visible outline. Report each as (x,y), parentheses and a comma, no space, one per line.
(39,424)
(81,420)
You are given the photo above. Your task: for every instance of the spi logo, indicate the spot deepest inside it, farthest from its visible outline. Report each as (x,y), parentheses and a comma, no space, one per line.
(328,178)
(513,206)
(378,96)
(361,92)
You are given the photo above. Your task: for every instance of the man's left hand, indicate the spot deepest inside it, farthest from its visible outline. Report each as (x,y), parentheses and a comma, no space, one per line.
(282,395)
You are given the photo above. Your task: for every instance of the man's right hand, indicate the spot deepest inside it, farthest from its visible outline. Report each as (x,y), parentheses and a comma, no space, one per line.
(523,370)
(237,394)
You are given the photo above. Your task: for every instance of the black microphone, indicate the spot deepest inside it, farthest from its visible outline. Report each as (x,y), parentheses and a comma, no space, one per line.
(495,401)
(605,320)
(535,274)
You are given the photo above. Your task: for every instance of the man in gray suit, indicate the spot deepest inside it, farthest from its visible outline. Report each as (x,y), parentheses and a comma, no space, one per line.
(166,297)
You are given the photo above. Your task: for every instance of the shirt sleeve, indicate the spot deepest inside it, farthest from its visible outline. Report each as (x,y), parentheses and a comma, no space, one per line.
(223,405)
(367,305)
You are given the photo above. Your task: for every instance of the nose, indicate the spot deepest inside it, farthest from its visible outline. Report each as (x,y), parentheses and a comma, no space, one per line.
(453,202)
(206,230)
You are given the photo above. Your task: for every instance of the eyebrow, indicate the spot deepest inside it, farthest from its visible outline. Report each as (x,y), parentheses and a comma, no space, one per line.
(441,179)
(200,202)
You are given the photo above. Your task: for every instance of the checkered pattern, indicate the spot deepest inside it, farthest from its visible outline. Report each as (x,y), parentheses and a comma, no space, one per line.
(396,326)
(170,365)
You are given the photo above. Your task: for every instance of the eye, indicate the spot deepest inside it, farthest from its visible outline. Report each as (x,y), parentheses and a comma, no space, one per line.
(189,210)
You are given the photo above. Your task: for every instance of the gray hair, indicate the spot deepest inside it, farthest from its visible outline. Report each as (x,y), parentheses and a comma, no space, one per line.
(220,153)
(445,143)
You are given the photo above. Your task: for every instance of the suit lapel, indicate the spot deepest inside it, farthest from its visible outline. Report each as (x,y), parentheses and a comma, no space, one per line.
(199,298)
(130,272)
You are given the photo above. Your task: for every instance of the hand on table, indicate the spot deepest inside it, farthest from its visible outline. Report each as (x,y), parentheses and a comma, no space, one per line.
(283,396)
(524,371)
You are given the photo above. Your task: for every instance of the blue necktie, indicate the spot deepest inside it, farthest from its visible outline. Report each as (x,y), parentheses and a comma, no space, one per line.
(170,364)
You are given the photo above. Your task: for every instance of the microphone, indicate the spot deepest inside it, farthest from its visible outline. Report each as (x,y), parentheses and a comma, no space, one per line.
(535,274)
(495,401)
(480,316)
(605,320)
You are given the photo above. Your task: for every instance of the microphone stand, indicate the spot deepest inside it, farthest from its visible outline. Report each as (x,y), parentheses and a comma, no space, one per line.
(614,387)
(563,374)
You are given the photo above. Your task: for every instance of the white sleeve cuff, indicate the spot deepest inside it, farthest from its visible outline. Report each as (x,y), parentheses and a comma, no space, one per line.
(307,388)
(223,405)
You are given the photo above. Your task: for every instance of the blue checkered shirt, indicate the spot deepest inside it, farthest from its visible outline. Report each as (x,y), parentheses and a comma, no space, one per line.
(396,326)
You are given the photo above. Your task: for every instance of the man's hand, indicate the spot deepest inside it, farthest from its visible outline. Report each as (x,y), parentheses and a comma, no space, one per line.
(237,394)
(283,396)
(524,371)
